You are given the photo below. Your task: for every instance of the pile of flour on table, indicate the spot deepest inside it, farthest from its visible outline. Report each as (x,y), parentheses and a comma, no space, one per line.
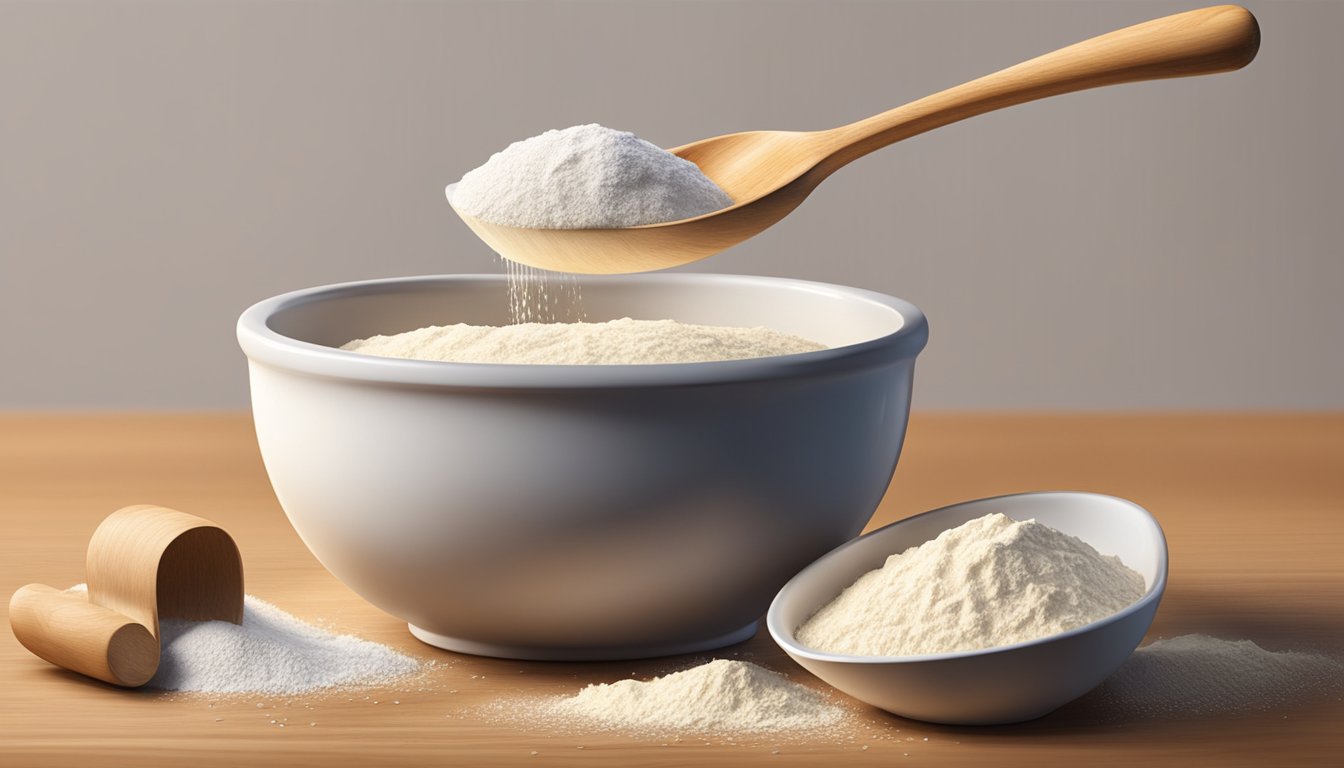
(586,177)
(617,342)
(271,652)
(722,696)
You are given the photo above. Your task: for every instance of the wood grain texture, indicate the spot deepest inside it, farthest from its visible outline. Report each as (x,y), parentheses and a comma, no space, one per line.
(1199,42)
(1251,505)
(71,631)
(150,562)
(769,173)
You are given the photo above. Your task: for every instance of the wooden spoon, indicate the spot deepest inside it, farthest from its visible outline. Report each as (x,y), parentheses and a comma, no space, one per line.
(768,173)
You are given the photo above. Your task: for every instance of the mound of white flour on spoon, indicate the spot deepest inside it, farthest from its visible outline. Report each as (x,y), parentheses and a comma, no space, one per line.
(586,177)
(618,342)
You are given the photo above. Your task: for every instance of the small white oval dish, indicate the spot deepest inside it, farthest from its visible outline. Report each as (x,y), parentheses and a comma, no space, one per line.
(1007,684)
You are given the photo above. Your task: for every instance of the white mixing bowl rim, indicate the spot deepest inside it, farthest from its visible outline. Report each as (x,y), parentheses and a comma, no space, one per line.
(784,637)
(264,345)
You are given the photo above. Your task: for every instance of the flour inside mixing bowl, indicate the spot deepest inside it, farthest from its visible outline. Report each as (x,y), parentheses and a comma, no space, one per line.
(617,342)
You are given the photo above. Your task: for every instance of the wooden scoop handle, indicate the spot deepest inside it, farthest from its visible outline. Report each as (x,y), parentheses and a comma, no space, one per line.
(69,631)
(1199,42)
(144,563)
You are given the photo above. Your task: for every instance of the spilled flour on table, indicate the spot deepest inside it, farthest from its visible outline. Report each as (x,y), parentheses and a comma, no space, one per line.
(271,652)
(722,698)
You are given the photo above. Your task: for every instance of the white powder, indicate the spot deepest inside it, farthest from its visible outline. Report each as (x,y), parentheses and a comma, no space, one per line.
(586,177)
(721,697)
(1198,675)
(541,296)
(617,342)
(270,652)
(989,582)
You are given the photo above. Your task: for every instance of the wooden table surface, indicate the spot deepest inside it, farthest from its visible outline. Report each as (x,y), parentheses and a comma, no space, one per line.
(1253,506)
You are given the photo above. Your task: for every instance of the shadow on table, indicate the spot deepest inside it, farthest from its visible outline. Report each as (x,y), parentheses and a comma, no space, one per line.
(60,676)
(1198,692)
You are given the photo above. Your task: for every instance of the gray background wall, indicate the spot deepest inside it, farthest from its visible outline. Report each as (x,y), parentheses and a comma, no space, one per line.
(1169,245)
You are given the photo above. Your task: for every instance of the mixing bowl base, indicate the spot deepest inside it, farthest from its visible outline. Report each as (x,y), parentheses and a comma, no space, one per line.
(619,653)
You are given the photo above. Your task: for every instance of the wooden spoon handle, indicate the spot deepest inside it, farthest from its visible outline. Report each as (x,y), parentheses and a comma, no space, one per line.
(1199,42)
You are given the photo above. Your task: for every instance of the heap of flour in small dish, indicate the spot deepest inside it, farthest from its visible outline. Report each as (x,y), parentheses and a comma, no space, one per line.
(617,342)
(586,177)
(987,583)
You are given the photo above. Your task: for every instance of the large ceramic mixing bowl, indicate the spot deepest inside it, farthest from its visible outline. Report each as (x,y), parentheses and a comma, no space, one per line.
(579,512)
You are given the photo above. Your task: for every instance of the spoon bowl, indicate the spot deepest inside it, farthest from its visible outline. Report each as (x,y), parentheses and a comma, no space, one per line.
(637,249)
(1007,684)
(769,173)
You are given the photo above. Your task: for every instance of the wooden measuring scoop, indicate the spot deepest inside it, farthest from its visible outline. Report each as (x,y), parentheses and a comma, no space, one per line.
(144,563)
